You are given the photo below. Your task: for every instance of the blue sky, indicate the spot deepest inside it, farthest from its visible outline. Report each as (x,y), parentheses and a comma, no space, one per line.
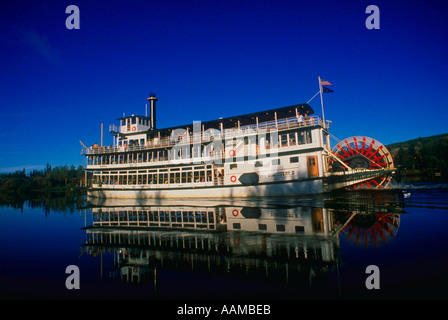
(211,59)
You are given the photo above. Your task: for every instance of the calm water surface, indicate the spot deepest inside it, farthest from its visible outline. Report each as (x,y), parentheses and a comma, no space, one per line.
(275,248)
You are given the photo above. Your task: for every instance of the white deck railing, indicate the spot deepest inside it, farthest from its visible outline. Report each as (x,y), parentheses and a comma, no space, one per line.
(279,125)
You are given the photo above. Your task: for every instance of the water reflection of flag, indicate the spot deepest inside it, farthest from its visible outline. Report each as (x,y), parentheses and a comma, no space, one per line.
(325,83)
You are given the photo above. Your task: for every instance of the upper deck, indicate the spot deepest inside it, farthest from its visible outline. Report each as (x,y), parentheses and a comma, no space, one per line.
(286,118)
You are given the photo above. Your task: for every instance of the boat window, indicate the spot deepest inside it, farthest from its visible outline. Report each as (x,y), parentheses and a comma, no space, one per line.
(152,178)
(280,227)
(196,176)
(262,227)
(258,164)
(274,140)
(293,159)
(202,175)
(292,139)
(141,179)
(132,179)
(276,162)
(209,175)
(113,178)
(189,177)
(163,178)
(174,177)
(233,166)
(305,137)
(284,140)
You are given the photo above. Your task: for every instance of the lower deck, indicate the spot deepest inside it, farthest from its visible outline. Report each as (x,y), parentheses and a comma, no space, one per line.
(295,170)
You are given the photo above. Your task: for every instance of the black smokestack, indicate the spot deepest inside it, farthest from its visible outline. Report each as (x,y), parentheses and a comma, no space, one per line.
(152,109)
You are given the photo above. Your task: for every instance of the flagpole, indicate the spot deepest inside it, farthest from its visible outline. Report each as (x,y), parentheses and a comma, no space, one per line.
(321,101)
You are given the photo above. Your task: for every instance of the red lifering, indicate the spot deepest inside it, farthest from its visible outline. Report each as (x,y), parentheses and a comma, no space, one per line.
(233,178)
(235,212)
(232,153)
(134,128)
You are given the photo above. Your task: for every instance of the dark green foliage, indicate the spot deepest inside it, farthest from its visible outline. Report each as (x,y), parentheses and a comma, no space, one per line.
(422,156)
(61,178)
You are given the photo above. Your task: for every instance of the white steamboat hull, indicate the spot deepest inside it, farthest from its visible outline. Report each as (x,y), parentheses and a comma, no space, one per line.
(284,188)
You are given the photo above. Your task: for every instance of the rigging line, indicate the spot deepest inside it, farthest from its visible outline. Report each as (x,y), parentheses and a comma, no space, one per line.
(333,136)
(313,97)
(330,154)
(83,145)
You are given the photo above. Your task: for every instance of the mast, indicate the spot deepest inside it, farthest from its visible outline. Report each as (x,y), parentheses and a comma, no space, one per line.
(325,131)
(323,83)
(321,100)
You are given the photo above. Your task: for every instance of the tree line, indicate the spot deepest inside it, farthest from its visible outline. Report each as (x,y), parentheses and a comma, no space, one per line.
(59,178)
(425,157)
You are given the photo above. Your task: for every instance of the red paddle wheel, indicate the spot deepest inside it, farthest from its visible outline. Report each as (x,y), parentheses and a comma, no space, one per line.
(366,154)
(372,228)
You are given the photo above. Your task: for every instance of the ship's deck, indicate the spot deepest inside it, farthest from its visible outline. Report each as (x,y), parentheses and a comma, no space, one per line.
(204,136)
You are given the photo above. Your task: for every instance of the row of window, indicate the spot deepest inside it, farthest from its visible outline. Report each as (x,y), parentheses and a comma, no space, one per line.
(134,120)
(214,150)
(173,175)
(149,156)
(264,227)
(274,162)
(155,176)
(155,216)
(154,239)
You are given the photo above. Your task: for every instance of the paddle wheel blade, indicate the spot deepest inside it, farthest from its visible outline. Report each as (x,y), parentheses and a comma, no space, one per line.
(364,154)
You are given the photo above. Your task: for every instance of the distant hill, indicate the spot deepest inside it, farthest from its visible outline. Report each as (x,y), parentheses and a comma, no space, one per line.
(422,157)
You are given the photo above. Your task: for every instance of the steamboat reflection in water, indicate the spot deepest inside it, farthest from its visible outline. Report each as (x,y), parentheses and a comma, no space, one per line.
(265,241)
